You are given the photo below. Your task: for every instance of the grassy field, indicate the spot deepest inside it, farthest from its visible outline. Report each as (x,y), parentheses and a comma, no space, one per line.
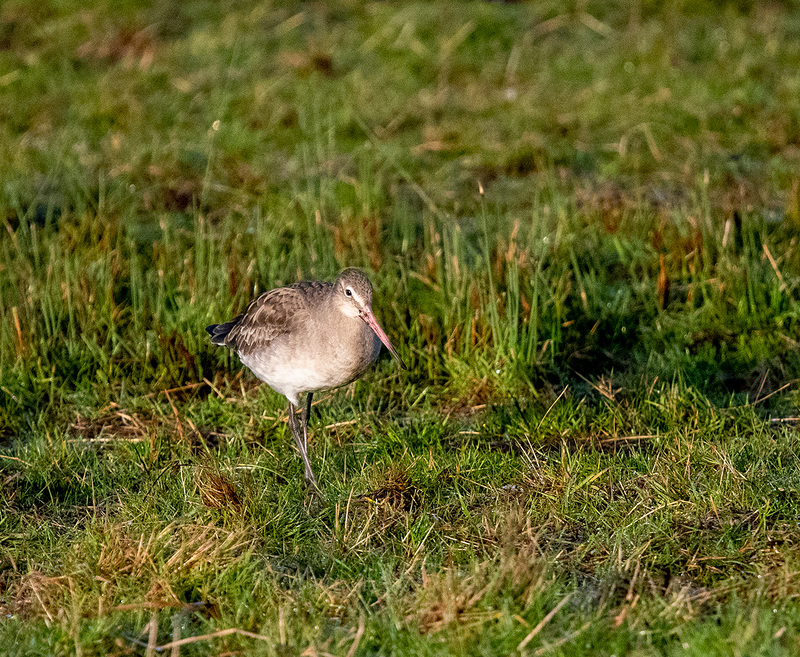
(581,221)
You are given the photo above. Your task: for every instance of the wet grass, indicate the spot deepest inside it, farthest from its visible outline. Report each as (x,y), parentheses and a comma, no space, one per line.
(581,227)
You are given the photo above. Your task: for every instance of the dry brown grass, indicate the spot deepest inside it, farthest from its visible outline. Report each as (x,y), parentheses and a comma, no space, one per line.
(452,596)
(216,490)
(153,564)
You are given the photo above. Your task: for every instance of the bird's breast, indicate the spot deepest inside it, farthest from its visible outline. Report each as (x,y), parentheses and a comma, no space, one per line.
(328,355)
(351,350)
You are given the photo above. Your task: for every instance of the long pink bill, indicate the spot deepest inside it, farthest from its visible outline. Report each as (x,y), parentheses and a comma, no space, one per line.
(369,318)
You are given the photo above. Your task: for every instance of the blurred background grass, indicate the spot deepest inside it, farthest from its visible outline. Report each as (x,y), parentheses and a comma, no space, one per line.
(168,162)
(581,220)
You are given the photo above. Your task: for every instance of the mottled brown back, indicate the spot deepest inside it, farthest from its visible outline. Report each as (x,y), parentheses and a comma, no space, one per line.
(269,316)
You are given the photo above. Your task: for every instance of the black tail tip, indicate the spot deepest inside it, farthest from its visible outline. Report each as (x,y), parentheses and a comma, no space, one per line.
(217,333)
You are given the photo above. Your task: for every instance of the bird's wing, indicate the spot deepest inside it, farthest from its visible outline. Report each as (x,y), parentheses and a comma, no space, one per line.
(269,316)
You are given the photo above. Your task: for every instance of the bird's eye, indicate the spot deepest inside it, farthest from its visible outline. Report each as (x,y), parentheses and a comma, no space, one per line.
(348,292)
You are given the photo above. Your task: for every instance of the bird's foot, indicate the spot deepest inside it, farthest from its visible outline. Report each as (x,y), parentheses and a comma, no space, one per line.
(311,480)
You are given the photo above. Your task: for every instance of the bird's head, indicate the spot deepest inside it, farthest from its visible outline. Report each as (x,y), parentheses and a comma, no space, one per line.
(353,293)
(354,299)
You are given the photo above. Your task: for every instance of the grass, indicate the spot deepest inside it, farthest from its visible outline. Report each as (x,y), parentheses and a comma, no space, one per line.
(581,226)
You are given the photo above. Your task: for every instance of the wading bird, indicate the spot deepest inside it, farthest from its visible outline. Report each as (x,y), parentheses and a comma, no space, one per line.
(313,335)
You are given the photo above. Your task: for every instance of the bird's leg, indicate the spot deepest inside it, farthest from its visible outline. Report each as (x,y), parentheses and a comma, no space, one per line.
(301,440)
(305,416)
(304,419)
